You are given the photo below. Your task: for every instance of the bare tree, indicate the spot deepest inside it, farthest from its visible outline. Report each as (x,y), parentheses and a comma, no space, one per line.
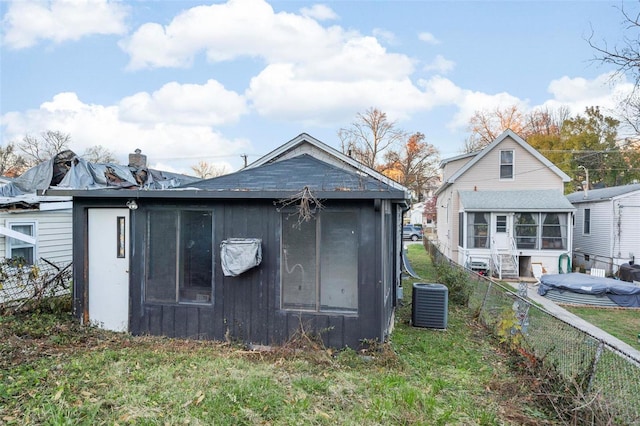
(370,136)
(11,164)
(39,149)
(486,125)
(99,154)
(414,165)
(205,170)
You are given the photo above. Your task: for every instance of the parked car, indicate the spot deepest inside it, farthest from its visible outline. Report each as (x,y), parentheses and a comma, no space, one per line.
(411,232)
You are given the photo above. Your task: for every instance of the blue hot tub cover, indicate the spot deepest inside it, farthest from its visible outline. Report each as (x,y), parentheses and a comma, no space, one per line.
(620,292)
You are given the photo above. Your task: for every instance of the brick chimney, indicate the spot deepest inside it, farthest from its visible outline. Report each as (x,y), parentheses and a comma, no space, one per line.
(138,160)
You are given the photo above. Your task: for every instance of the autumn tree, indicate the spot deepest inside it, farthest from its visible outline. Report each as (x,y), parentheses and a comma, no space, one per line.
(487,125)
(37,149)
(99,154)
(413,165)
(11,163)
(205,170)
(370,136)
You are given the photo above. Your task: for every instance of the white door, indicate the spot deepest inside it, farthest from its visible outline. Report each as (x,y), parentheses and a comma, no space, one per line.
(109,268)
(502,229)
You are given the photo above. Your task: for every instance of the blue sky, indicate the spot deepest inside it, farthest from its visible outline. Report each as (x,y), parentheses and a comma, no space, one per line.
(193,80)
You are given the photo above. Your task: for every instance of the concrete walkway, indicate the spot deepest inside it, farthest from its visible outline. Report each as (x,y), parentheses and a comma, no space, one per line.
(558,311)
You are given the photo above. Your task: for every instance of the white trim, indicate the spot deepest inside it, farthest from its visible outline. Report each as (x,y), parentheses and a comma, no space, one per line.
(65,205)
(17,235)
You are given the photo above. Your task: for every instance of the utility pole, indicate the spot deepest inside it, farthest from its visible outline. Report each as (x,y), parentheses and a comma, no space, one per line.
(586,187)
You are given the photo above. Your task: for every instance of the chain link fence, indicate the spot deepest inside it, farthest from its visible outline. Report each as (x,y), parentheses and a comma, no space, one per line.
(600,381)
(22,284)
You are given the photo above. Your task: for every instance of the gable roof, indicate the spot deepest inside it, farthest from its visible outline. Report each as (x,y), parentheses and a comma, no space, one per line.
(486,150)
(602,194)
(314,145)
(292,175)
(515,201)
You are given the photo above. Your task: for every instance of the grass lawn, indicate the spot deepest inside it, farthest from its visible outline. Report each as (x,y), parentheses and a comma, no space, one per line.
(54,371)
(621,323)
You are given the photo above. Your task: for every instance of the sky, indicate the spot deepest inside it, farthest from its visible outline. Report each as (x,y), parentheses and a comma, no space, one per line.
(189,81)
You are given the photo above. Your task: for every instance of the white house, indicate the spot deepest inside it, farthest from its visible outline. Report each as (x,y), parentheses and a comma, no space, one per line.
(606,231)
(503,208)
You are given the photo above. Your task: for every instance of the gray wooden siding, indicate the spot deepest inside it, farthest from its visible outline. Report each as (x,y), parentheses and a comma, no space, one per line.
(247,308)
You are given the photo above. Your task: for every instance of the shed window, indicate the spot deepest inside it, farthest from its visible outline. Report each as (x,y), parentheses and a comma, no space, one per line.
(586,227)
(506,164)
(320,263)
(17,248)
(179,266)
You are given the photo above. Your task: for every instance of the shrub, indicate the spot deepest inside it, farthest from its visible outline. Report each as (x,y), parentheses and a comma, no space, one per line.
(456,280)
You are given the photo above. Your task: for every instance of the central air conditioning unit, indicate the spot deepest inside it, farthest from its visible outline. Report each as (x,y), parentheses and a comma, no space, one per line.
(430,303)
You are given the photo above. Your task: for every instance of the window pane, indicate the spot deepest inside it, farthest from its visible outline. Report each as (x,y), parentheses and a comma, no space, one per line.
(526,231)
(478,230)
(553,232)
(339,262)
(501,223)
(25,253)
(161,256)
(298,263)
(587,221)
(506,164)
(196,256)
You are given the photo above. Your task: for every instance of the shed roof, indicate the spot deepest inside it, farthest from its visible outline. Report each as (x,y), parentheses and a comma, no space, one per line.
(293,174)
(538,201)
(602,194)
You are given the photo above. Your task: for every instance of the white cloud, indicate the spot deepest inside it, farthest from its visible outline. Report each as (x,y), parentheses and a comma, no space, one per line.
(206,104)
(238,28)
(578,93)
(428,38)
(440,64)
(29,21)
(385,35)
(90,125)
(320,12)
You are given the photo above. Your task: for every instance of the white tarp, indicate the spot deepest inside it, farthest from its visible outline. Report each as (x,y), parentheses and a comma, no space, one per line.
(238,255)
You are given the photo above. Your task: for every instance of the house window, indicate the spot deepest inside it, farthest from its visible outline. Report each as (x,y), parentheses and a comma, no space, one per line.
(17,248)
(461,229)
(179,262)
(506,164)
(554,231)
(501,224)
(478,230)
(526,230)
(586,225)
(320,263)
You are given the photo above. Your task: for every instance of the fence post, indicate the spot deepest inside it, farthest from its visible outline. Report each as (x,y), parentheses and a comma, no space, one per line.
(594,365)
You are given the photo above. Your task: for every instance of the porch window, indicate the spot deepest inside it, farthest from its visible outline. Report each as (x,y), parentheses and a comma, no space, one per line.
(179,266)
(554,231)
(478,230)
(506,164)
(18,249)
(586,225)
(526,230)
(319,263)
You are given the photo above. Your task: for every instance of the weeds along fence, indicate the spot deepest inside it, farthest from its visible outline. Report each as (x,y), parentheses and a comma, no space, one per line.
(22,284)
(600,384)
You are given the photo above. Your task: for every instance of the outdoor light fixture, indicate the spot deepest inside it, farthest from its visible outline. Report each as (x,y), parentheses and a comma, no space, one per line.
(132,204)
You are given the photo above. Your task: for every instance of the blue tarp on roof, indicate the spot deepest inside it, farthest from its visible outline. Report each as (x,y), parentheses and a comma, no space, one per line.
(620,292)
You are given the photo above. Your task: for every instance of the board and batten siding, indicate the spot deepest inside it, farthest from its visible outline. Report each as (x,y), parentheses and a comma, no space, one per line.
(54,233)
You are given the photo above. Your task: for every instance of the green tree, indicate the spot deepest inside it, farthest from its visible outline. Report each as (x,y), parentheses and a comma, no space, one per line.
(590,142)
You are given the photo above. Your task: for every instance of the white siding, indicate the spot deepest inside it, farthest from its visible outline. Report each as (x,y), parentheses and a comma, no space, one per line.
(54,239)
(627,235)
(529,172)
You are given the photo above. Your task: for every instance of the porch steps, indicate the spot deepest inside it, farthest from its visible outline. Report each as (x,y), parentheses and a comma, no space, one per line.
(509,267)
